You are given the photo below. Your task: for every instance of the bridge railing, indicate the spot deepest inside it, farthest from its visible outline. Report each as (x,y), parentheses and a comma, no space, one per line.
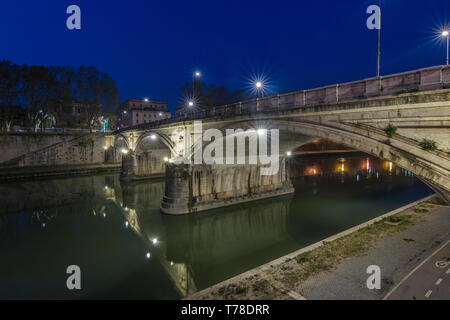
(414,81)
(433,78)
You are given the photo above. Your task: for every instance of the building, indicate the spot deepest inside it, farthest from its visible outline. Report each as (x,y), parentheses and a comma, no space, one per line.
(133,112)
(74,114)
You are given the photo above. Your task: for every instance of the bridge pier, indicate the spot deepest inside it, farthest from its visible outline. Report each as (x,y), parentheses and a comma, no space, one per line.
(200,187)
(129,166)
(144,165)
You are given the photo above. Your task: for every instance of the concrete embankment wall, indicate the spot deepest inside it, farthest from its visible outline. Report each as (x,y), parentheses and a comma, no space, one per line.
(35,155)
(17,144)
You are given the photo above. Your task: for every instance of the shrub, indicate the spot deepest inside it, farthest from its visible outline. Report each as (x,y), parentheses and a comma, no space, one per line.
(390,130)
(428,144)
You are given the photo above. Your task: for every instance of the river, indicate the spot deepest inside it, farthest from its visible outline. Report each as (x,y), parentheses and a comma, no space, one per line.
(126,249)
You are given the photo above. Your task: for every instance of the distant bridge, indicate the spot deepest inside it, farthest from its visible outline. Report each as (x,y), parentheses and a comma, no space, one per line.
(417,103)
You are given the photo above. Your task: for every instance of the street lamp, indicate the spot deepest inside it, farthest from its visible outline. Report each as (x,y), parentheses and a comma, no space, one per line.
(196,74)
(445,33)
(379,43)
(259,87)
(191,103)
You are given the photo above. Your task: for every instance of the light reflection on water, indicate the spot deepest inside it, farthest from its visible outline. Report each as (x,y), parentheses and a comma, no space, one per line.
(127,249)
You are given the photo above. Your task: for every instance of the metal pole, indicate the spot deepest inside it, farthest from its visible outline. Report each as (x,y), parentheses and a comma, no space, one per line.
(447,48)
(379,44)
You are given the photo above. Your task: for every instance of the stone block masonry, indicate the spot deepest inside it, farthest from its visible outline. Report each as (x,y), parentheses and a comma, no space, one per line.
(54,154)
(194,188)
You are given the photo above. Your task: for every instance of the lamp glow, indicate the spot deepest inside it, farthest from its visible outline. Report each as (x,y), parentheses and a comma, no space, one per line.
(124,151)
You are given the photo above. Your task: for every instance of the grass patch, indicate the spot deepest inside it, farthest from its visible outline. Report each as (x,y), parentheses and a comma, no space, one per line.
(394,219)
(241,289)
(437,200)
(326,257)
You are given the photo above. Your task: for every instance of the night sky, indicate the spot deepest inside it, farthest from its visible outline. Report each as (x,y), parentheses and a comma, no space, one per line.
(151,48)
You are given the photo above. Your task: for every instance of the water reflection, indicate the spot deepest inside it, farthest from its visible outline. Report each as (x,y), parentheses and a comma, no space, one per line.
(127,249)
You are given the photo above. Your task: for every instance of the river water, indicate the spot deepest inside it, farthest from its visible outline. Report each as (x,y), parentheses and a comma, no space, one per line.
(127,249)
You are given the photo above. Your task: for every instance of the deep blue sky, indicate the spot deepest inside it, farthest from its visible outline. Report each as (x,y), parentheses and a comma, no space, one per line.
(150,48)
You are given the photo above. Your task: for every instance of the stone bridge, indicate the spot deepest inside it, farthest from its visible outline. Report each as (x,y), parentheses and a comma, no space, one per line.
(416,103)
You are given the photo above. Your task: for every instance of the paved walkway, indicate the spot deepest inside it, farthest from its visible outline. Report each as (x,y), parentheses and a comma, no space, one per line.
(429,280)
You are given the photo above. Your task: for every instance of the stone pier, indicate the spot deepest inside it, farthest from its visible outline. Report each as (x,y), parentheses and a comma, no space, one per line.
(137,166)
(199,187)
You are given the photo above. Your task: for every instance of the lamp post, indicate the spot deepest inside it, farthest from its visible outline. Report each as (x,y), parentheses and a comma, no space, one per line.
(196,74)
(379,43)
(259,87)
(445,33)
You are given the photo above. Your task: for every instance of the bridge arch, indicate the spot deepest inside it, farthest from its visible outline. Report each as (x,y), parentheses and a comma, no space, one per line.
(120,142)
(429,166)
(161,140)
